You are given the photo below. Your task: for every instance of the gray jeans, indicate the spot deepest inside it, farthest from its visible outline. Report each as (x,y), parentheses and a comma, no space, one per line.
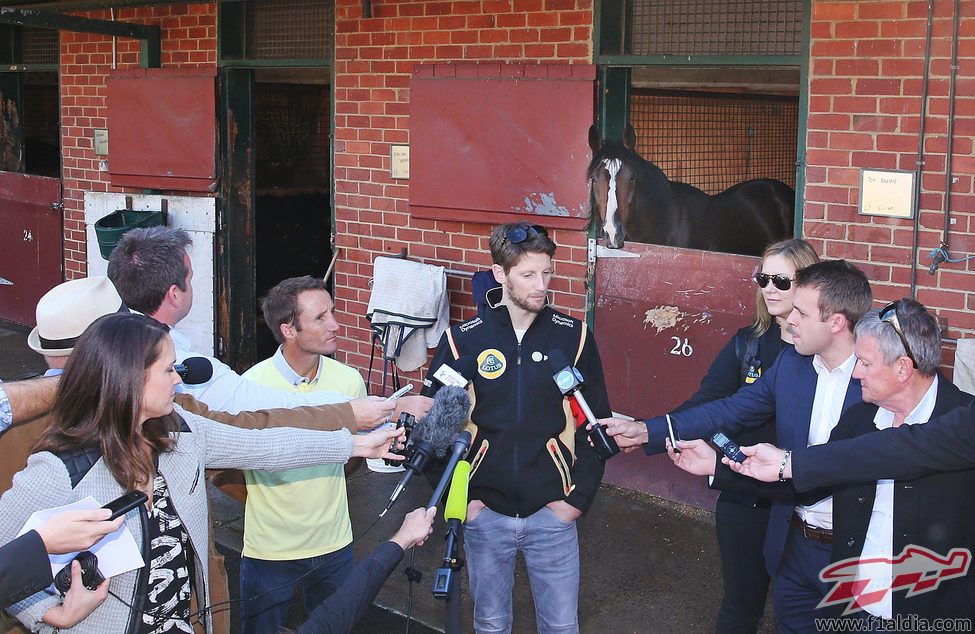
(551,550)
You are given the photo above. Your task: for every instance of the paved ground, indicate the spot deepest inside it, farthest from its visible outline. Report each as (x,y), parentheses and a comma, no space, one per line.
(648,565)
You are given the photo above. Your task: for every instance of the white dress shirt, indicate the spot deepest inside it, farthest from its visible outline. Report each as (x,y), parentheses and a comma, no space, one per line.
(879,541)
(831,386)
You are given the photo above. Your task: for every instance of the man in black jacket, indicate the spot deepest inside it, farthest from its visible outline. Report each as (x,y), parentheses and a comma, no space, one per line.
(532,471)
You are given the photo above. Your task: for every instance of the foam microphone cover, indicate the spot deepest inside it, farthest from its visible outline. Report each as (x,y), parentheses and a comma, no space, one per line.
(456,508)
(448,414)
(197,370)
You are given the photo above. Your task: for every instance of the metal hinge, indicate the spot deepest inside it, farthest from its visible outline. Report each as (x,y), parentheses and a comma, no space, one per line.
(55,206)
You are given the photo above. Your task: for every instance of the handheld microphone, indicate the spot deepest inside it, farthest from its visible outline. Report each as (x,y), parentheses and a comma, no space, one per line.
(458,372)
(432,434)
(461,445)
(194,370)
(569,380)
(455,512)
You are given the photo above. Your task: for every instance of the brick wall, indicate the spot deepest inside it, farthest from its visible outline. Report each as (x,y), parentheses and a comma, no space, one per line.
(189,38)
(867,60)
(374,59)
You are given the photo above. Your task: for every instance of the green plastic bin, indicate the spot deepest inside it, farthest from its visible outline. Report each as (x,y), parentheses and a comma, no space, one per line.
(111,228)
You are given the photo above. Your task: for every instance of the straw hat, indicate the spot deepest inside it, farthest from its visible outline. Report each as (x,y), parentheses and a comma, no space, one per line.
(65,311)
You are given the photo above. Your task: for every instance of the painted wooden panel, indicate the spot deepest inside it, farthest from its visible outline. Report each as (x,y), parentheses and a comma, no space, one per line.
(662,315)
(30,241)
(496,142)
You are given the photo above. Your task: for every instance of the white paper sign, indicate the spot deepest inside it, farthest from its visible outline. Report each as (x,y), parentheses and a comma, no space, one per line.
(117,552)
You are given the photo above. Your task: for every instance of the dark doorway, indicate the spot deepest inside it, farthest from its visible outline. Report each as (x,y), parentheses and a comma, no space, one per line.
(293,203)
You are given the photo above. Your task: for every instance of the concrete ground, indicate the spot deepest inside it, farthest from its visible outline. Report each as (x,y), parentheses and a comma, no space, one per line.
(647,564)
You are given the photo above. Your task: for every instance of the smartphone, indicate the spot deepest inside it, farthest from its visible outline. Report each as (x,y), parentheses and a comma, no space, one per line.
(124,504)
(673,436)
(400,392)
(728,447)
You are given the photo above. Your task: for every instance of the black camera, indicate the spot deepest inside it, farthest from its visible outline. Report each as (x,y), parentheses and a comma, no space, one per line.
(406,421)
(90,576)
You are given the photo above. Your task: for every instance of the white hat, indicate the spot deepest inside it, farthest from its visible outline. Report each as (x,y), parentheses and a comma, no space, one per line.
(65,311)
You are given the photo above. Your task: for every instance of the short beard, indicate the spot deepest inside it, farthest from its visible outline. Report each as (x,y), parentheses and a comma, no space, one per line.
(522,305)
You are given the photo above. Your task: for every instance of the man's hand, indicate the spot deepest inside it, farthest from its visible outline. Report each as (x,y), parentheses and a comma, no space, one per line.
(78,603)
(564,511)
(696,456)
(629,434)
(376,443)
(763,463)
(372,411)
(76,530)
(416,527)
(474,508)
(416,405)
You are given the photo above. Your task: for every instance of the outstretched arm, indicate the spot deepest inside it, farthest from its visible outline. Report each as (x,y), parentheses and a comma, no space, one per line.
(26,399)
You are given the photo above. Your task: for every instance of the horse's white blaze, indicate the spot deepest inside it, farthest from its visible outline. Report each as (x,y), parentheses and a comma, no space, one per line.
(609,224)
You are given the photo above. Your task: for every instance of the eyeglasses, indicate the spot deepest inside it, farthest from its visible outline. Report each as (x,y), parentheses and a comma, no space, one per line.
(781,282)
(520,234)
(889,315)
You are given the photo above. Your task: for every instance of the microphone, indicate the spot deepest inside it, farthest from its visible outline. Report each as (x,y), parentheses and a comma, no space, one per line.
(194,370)
(455,512)
(461,445)
(458,373)
(569,380)
(432,434)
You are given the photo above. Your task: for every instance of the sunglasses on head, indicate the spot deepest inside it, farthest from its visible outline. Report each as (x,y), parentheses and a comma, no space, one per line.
(888,315)
(520,234)
(781,282)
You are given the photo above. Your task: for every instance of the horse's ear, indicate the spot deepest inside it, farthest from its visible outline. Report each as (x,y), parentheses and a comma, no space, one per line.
(629,137)
(595,141)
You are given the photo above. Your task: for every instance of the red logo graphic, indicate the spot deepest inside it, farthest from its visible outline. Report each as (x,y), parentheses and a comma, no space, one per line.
(916,569)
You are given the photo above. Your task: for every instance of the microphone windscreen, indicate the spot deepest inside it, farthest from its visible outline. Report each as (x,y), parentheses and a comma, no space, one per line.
(557,360)
(451,406)
(456,507)
(197,370)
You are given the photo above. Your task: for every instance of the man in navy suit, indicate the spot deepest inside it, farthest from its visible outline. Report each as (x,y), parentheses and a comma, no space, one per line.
(806,391)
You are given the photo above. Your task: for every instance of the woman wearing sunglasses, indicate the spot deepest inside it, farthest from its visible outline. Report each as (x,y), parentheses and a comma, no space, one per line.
(741,520)
(114,429)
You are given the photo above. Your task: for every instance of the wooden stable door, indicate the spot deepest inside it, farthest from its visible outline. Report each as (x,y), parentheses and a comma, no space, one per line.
(662,314)
(30,243)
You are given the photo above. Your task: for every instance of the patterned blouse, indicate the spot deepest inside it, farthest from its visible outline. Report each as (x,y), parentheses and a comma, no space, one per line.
(167,606)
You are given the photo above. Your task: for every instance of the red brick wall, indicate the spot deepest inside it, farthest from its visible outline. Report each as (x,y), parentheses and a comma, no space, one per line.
(867,60)
(189,38)
(373,62)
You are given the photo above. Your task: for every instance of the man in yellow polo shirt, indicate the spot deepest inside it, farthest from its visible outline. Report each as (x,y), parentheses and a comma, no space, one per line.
(296,522)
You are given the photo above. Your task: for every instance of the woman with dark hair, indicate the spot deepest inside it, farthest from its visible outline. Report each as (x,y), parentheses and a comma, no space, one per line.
(114,429)
(741,520)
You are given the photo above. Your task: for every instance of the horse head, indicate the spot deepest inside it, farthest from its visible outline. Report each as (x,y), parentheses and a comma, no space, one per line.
(613,185)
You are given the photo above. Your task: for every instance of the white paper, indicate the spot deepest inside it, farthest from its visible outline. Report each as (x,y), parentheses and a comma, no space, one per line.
(117,552)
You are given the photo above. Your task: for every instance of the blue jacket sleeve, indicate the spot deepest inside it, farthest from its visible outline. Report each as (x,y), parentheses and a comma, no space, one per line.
(24,568)
(749,407)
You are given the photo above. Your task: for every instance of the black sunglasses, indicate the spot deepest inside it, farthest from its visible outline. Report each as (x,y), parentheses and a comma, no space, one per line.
(781,282)
(888,315)
(520,234)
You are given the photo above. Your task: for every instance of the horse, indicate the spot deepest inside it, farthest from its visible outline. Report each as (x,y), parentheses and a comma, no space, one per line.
(632,199)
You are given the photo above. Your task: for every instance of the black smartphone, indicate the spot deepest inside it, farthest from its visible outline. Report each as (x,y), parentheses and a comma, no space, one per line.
(125,503)
(673,436)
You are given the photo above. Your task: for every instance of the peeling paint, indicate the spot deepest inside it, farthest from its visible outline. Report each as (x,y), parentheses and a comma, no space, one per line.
(544,205)
(662,317)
